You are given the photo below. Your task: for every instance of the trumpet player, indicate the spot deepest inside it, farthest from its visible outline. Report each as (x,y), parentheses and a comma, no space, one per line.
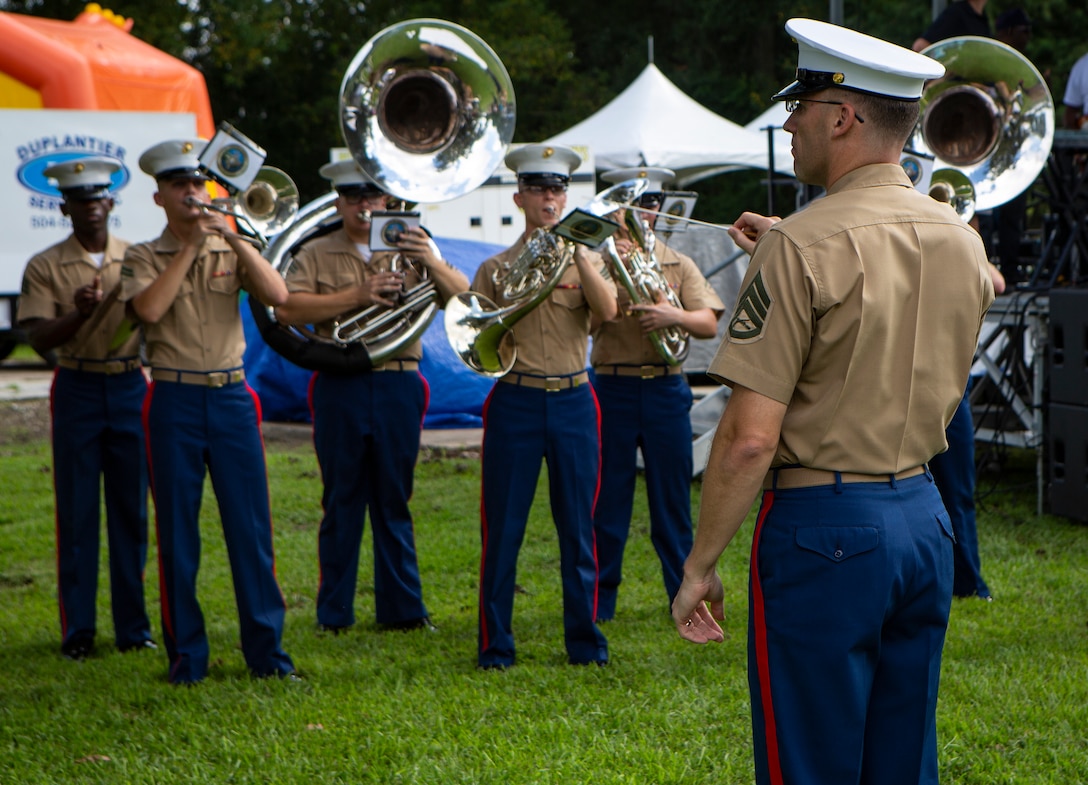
(646,404)
(367,424)
(543,409)
(183,288)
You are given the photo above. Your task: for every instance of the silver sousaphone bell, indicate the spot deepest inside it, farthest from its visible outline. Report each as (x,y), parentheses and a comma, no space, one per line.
(990,118)
(427,110)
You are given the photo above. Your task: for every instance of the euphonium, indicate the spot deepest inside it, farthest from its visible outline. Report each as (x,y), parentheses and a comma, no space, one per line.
(479,331)
(640,274)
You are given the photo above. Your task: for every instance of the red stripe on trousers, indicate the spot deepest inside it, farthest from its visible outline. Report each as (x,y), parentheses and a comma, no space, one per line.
(759,621)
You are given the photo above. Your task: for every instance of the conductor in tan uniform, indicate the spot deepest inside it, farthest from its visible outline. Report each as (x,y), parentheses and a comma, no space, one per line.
(848,352)
(646,403)
(543,409)
(183,288)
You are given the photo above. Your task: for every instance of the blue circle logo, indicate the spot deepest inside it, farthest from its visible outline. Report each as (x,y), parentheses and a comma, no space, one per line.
(32,174)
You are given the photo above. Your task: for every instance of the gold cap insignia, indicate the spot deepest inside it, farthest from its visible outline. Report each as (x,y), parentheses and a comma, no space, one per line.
(78,168)
(548,152)
(187,147)
(838,78)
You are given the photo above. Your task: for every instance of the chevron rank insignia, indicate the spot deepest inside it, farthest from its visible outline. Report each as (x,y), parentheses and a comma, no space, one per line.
(753,307)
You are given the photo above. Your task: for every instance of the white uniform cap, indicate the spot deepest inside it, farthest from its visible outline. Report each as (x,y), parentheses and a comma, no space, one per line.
(833,56)
(656,176)
(543,163)
(346,175)
(177,158)
(84,179)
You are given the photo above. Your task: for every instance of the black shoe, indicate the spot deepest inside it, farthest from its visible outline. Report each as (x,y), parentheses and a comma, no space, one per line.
(144,644)
(493,666)
(415,624)
(333,628)
(77,650)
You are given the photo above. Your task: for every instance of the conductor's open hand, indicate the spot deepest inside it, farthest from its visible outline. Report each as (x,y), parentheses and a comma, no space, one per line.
(695,621)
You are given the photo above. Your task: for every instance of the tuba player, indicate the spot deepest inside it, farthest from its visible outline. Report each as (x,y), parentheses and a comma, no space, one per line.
(367,424)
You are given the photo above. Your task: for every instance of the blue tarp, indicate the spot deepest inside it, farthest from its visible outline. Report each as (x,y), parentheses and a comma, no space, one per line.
(457,394)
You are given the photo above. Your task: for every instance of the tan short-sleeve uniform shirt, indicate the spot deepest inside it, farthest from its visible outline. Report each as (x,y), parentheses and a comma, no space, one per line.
(552,339)
(332,263)
(861,313)
(202,330)
(49,288)
(621,342)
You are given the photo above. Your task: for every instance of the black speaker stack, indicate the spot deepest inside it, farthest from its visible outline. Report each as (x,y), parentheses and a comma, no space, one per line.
(1067,411)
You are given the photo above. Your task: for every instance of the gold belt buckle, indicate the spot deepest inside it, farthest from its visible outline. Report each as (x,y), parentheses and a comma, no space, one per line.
(217,379)
(114,367)
(648,372)
(552,383)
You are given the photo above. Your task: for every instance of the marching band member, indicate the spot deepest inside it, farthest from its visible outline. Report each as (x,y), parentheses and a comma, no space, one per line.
(97,394)
(543,409)
(367,424)
(848,352)
(646,403)
(183,288)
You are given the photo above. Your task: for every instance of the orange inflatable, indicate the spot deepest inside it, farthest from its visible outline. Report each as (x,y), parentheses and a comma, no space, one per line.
(94,63)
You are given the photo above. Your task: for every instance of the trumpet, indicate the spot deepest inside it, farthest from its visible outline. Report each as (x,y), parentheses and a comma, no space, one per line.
(264,208)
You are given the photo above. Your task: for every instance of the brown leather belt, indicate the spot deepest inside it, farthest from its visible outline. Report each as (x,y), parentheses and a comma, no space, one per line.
(549,383)
(641,371)
(198,378)
(397,365)
(803,477)
(108,367)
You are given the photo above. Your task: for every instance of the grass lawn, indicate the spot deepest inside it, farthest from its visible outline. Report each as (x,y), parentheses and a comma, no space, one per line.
(392,707)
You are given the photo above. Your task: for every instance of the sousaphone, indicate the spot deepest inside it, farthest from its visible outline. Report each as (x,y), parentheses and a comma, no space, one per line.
(427,111)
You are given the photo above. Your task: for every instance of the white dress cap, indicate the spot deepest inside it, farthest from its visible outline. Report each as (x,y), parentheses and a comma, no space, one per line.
(347,175)
(177,158)
(85,178)
(833,56)
(543,162)
(656,176)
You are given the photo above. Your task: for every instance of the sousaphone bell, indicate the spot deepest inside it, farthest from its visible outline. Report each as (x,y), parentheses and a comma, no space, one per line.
(990,118)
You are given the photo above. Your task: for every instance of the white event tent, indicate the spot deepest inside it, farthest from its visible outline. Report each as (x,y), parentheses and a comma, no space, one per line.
(654,123)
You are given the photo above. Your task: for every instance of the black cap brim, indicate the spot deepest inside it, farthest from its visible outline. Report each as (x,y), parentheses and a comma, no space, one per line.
(360,190)
(182,174)
(809,81)
(543,178)
(86,193)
